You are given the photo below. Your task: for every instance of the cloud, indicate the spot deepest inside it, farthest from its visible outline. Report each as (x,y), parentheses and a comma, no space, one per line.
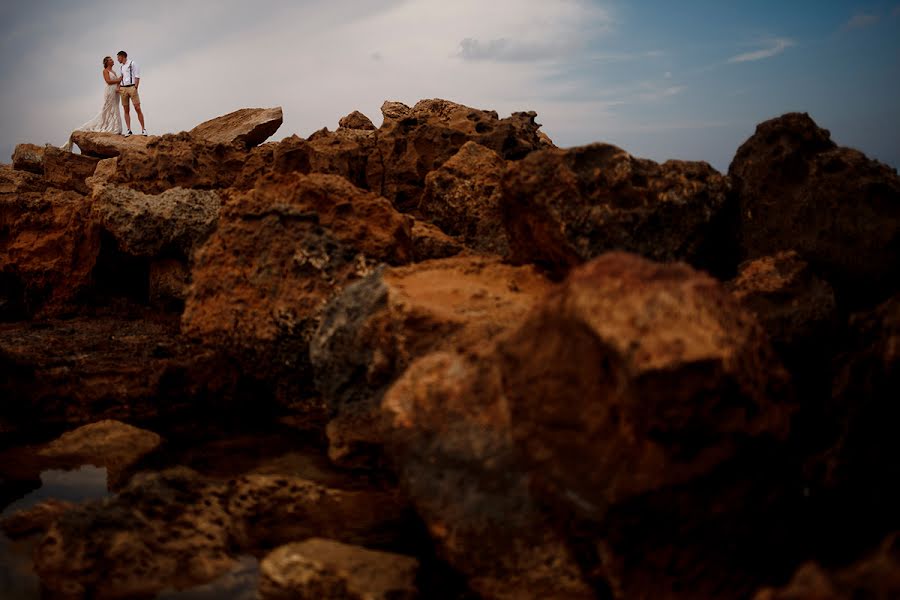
(506,50)
(862,20)
(773,47)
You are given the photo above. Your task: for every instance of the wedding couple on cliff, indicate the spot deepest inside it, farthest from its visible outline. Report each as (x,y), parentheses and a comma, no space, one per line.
(124,85)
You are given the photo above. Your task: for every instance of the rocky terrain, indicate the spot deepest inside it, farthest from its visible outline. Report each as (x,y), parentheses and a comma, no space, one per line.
(444,358)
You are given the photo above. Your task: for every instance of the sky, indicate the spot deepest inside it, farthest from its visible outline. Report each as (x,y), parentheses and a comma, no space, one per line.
(661,79)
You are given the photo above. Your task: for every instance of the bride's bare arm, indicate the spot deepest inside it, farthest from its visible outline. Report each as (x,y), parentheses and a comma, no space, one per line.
(109,79)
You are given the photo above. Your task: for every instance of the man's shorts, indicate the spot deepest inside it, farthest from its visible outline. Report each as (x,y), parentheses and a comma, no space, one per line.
(130,93)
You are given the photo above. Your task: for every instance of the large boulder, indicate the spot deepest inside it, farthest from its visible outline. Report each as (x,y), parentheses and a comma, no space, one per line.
(449,437)
(67,171)
(279,253)
(462,197)
(14,181)
(322,569)
(838,209)
(426,136)
(247,127)
(29,157)
(49,246)
(563,207)
(633,376)
(378,326)
(174,221)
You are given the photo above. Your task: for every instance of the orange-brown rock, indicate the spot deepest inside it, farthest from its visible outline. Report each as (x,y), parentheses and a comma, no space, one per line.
(34,520)
(169,282)
(449,436)
(328,570)
(177,529)
(837,208)
(426,136)
(29,157)
(376,327)
(49,246)
(676,376)
(794,306)
(563,207)
(67,171)
(108,443)
(280,252)
(356,120)
(13,181)
(462,197)
(246,127)
(109,145)
(876,576)
(178,160)
(430,242)
(170,223)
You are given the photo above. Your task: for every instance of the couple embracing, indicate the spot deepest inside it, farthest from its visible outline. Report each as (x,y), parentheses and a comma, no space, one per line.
(124,85)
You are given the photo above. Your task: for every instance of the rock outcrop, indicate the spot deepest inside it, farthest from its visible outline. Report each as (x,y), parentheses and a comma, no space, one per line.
(280,252)
(563,207)
(29,157)
(110,145)
(356,120)
(66,171)
(378,326)
(462,197)
(247,127)
(322,569)
(837,208)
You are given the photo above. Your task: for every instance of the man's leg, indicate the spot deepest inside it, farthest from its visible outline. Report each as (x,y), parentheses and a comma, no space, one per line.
(140,114)
(127,106)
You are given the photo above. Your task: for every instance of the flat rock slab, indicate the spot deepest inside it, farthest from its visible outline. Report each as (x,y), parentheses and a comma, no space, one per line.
(109,145)
(248,126)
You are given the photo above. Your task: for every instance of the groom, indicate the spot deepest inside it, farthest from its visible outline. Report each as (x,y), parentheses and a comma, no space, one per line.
(128,88)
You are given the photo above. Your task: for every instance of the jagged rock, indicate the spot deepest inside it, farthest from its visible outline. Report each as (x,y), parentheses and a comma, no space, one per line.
(345,152)
(176,220)
(29,157)
(877,576)
(838,209)
(414,144)
(178,529)
(430,242)
(795,307)
(103,174)
(449,437)
(178,160)
(377,326)
(356,120)
(321,569)
(19,182)
(394,111)
(67,171)
(246,127)
(628,388)
(49,246)
(111,444)
(545,140)
(462,197)
(279,253)
(563,207)
(679,377)
(110,145)
(34,520)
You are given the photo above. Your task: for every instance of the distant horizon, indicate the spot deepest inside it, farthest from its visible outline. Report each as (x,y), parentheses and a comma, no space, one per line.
(660,81)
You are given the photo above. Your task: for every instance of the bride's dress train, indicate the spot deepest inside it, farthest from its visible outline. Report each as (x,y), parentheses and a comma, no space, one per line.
(109,119)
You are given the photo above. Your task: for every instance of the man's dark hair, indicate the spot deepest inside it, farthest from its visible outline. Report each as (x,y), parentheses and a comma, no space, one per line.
(122,53)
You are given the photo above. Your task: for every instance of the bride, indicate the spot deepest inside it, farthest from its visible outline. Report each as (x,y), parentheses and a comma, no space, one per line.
(109,119)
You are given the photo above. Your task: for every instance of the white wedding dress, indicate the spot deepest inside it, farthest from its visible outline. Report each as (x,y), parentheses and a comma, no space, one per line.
(109,119)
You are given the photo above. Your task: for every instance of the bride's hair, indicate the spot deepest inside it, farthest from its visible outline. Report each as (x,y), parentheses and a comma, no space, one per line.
(107,60)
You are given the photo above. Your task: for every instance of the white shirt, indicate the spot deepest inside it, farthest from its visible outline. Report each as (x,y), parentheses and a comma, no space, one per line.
(130,72)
